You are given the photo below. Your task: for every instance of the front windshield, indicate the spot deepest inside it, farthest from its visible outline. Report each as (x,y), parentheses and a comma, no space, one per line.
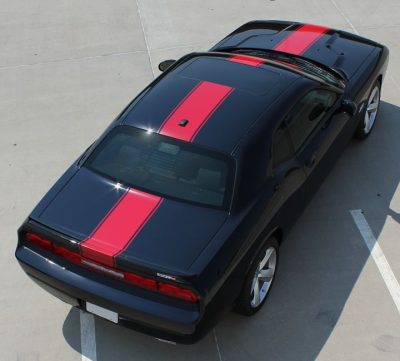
(331,77)
(315,70)
(164,166)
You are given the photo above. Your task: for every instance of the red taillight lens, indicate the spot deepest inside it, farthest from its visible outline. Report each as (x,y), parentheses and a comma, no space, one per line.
(141,281)
(164,288)
(178,292)
(40,241)
(67,254)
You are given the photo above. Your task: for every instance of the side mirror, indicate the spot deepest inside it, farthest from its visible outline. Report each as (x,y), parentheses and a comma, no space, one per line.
(349,107)
(164,65)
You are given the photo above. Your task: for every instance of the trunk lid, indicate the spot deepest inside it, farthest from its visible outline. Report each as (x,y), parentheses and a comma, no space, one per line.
(169,237)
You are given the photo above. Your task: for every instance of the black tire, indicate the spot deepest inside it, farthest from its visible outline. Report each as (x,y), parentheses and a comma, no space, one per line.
(363,131)
(243,304)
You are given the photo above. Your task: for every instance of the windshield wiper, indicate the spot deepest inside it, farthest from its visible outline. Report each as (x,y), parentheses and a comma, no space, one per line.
(320,70)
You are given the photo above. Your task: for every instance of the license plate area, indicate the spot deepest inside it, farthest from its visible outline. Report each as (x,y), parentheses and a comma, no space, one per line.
(102,312)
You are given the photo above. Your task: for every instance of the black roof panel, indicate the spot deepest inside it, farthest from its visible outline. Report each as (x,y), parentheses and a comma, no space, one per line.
(255,91)
(256,80)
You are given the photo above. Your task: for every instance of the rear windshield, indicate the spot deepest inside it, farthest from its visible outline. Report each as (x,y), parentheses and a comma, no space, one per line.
(164,166)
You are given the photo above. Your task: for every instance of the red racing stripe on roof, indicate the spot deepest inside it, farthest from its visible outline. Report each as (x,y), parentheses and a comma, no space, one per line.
(194,110)
(120,226)
(301,39)
(247,60)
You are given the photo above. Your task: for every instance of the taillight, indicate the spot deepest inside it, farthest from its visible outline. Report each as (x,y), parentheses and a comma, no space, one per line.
(161,287)
(141,281)
(67,254)
(132,278)
(178,292)
(39,241)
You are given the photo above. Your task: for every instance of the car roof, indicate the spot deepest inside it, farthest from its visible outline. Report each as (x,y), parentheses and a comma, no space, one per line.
(256,87)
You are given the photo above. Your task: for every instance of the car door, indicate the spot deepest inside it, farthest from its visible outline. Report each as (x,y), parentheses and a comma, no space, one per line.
(287,179)
(314,125)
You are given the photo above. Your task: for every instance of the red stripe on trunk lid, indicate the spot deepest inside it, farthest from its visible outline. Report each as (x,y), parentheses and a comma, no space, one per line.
(120,226)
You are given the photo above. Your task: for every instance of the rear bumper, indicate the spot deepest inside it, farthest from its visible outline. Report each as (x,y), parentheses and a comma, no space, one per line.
(150,316)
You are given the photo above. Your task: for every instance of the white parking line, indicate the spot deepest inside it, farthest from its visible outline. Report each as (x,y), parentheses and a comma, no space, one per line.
(375,250)
(216,342)
(88,337)
(334,3)
(146,42)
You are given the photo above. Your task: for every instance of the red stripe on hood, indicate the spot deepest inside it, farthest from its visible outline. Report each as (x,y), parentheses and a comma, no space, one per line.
(301,39)
(196,108)
(295,43)
(120,226)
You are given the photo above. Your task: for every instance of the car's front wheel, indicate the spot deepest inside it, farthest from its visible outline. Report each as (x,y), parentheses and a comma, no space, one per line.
(259,279)
(370,113)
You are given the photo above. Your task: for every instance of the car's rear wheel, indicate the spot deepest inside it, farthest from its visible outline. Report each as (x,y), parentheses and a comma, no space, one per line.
(370,113)
(259,279)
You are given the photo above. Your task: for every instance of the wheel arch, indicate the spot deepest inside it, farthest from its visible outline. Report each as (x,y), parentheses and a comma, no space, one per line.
(276,232)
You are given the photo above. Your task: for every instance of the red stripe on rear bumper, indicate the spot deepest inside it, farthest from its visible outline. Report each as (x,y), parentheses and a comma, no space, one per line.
(301,39)
(197,108)
(120,226)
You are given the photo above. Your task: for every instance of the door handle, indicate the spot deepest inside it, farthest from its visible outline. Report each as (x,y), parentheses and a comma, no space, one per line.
(311,161)
(326,124)
(277,186)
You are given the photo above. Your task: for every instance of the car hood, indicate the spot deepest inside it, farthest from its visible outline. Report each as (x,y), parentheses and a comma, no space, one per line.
(129,226)
(333,48)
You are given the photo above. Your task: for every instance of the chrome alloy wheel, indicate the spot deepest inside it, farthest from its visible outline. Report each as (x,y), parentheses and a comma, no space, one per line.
(263,277)
(372,109)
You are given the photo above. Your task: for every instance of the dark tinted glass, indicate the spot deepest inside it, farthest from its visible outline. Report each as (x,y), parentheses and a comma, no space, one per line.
(305,116)
(281,146)
(163,165)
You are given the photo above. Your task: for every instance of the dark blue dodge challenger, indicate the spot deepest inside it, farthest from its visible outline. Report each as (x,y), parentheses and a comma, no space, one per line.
(177,211)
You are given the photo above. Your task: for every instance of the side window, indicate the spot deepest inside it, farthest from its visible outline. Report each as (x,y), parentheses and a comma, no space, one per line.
(282,148)
(305,116)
